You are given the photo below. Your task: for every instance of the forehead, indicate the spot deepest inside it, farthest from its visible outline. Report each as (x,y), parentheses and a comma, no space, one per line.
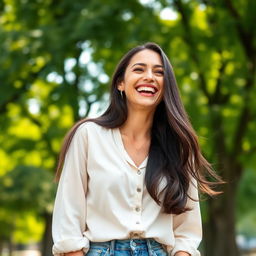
(146,56)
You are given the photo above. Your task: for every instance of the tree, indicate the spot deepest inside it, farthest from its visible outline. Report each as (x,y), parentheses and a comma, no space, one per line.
(225,68)
(24,190)
(47,87)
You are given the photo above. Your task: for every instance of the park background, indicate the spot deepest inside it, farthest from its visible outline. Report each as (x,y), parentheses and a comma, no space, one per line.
(56,61)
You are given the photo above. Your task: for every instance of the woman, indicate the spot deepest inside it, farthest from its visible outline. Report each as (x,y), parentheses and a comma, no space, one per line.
(129,177)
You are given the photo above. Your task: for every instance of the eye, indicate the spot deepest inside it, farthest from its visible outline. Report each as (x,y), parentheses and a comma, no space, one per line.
(138,69)
(159,72)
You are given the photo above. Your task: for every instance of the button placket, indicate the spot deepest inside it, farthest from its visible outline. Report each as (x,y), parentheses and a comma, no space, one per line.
(138,198)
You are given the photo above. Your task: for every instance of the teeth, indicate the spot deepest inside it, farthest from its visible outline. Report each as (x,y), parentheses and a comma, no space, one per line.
(147,89)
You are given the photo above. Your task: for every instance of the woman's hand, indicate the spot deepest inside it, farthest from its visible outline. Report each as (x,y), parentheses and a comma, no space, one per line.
(180,253)
(77,253)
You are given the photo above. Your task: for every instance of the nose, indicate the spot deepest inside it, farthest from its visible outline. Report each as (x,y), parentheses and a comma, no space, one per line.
(149,75)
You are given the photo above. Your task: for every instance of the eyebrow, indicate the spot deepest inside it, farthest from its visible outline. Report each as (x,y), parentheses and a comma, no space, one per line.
(144,65)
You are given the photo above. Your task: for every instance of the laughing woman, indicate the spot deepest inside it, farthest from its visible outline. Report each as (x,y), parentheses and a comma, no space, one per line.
(129,179)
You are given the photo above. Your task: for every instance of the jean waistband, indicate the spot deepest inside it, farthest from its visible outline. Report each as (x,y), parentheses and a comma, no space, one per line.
(127,244)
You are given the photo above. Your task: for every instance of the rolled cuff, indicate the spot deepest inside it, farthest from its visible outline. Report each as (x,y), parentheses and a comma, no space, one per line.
(185,246)
(70,245)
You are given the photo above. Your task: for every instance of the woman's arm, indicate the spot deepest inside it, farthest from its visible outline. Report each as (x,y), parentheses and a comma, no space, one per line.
(77,253)
(180,253)
(69,215)
(187,227)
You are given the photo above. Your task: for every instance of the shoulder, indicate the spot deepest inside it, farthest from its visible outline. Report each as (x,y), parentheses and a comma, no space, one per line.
(90,127)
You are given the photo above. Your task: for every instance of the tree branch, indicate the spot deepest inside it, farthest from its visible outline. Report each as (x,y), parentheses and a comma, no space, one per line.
(189,40)
(244,119)
(13,98)
(246,38)
(217,97)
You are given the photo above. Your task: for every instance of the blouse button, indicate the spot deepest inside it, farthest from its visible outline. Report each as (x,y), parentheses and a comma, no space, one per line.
(139,172)
(138,190)
(137,209)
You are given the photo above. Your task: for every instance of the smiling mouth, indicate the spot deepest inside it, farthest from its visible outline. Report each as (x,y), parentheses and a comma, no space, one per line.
(146,89)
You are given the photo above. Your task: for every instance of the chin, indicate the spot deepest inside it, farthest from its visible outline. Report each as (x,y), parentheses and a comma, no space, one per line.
(144,103)
(147,105)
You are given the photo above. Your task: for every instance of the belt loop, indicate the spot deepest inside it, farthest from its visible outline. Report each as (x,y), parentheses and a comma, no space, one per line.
(150,251)
(112,247)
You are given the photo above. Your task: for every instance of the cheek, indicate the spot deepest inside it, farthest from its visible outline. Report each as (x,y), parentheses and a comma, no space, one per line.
(162,89)
(130,82)
(161,83)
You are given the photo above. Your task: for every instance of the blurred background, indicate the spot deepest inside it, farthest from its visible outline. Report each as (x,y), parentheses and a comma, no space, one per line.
(56,62)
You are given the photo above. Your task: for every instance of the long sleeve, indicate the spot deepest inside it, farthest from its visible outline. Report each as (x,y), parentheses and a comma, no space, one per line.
(188,226)
(69,215)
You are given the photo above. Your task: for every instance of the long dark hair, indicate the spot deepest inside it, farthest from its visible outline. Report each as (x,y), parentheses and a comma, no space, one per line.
(174,153)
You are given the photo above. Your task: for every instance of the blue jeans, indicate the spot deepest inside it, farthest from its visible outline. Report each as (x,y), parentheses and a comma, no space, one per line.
(129,247)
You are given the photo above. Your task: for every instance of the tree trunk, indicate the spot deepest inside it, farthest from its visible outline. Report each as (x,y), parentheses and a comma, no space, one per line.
(219,230)
(10,247)
(47,242)
(1,247)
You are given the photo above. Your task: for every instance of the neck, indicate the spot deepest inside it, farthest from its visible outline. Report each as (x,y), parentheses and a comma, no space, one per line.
(138,124)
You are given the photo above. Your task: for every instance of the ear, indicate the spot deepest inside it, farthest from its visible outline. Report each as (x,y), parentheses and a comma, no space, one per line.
(120,86)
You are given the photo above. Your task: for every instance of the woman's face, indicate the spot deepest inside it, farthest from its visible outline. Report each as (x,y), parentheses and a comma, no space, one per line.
(143,82)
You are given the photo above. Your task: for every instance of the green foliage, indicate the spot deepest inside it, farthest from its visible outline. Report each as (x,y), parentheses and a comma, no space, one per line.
(246,211)
(27,188)
(28,228)
(25,192)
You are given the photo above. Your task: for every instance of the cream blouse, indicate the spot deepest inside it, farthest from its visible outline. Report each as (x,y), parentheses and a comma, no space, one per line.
(102,196)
